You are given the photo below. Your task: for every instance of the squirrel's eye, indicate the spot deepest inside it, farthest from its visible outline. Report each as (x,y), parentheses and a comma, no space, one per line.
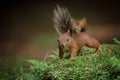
(67,39)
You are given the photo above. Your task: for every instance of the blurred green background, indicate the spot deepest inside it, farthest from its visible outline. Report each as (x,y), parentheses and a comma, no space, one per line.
(26,26)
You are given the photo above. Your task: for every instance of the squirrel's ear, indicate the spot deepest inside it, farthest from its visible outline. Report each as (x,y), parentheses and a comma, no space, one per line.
(83,22)
(68,32)
(58,32)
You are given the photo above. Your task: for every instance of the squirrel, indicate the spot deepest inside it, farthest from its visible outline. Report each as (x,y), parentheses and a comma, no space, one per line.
(67,37)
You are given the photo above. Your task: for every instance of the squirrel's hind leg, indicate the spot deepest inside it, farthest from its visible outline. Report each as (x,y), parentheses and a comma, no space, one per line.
(97,51)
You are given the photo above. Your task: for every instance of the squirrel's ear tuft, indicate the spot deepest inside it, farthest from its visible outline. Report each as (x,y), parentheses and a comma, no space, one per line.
(69,32)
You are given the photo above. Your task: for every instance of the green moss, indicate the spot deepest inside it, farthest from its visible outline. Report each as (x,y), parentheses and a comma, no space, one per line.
(85,66)
(105,66)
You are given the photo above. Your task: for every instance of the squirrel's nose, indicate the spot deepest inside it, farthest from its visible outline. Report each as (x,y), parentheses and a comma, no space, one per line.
(62,46)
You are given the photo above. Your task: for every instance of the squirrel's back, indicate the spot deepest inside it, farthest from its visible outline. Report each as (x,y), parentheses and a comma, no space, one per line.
(85,39)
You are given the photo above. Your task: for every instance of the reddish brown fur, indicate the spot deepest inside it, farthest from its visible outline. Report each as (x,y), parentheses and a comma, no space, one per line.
(76,42)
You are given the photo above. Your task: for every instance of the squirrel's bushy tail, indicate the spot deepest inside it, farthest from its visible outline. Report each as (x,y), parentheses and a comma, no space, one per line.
(61,19)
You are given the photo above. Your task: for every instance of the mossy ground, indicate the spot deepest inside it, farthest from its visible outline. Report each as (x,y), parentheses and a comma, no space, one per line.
(86,66)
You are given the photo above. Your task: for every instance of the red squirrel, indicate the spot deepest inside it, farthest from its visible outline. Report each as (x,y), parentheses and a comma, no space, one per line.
(69,35)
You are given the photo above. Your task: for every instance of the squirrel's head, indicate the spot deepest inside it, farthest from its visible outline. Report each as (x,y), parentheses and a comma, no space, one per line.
(64,39)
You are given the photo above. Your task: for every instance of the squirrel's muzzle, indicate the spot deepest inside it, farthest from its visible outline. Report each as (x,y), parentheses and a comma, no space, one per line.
(62,46)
